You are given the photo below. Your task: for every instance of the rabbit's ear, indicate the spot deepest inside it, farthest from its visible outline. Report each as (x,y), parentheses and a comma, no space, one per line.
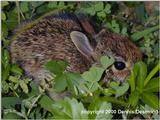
(86,24)
(81,41)
(99,35)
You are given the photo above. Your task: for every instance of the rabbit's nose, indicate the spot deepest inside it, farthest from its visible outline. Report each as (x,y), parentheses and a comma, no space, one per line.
(117,76)
(122,76)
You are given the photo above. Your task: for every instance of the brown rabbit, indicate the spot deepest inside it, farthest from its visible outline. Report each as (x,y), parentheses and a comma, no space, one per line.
(63,36)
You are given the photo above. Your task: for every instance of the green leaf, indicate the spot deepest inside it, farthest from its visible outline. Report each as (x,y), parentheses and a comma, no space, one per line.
(152,73)
(13,112)
(4,31)
(5,64)
(124,31)
(36,4)
(107,8)
(34,89)
(12,20)
(114,26)
(132,80)
(141,73)
(71,5)
(114,84)
(72,81)
(60,83)
(94,105)
(109,91)
(16,86)
(101,14)
(16,69)
(23,86)
(69,109)
(140,13)
(61,4)
(119,90)
(152,85)
(138,75)
(106,61)
(91,11)
(5,87)
(138,35)
(92,86)
(105,106)
(52,4)
(134,98)
(151,100)
(122,89)
(99,6)
(14,79)
(156,50)
(76,84)
(31,102)
(5,58)
(56,67)
(8,116)
(24,6)
(4,3)
(94,74)
(5,73)
(42,9)
(47,103)
(10,102)
(3,16)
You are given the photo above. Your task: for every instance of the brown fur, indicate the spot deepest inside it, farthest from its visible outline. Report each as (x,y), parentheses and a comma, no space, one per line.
(49,39)
(122,49)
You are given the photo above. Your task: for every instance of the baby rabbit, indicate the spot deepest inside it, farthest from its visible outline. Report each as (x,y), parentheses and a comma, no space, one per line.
(64,36)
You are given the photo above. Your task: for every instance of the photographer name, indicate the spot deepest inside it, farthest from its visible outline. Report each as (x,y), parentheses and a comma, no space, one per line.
(119,111)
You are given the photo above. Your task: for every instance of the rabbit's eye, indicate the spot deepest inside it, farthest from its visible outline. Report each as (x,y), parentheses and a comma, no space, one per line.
(119,65)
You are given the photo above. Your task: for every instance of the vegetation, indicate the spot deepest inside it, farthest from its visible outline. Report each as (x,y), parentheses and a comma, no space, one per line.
(22,98)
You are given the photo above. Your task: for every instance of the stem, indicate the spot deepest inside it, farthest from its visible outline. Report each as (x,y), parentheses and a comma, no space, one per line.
(152,73)
(14,91)
(33,104)
(16,112)
(32,13)
(22,14)
(18,11)
(113,100)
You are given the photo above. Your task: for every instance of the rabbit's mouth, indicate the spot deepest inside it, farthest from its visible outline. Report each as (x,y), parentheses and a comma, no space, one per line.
(117,76)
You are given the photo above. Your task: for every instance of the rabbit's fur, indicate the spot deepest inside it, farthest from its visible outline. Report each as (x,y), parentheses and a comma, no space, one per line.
(62,36)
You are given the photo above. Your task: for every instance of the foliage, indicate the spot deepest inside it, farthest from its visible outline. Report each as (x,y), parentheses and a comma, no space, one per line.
(85,83)
(143,86)
(96,8)
(22,98)
(70,109)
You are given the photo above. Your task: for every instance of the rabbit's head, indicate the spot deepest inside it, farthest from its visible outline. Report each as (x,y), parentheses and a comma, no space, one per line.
(120,48)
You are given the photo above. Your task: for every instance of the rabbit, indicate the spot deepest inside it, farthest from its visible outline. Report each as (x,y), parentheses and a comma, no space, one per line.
(66,36)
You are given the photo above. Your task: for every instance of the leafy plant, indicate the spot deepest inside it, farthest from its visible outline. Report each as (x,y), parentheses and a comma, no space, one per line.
(70,108)
(23,99)
(85,83)
(143,86)
(139,34)
(116,89)
(16,82)
(96,8)
(115,27)
(102,108)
